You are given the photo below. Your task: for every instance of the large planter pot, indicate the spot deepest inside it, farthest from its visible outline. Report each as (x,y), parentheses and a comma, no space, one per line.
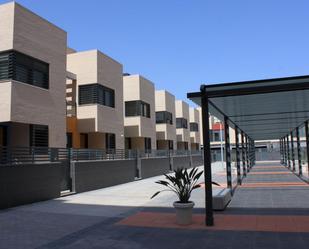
(183,212)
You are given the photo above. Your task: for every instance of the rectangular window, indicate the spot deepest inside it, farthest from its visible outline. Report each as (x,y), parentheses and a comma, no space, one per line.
(181,123)
(164,117)
(215,136)
(110,141)
(193,126)
(147,144)
(38,136)
(20,67)
(96,94)
(137,108)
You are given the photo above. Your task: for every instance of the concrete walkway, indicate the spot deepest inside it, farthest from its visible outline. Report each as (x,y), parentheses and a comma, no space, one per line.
(269,210)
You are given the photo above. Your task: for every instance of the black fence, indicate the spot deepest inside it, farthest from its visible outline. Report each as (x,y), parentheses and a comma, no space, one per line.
(24,155)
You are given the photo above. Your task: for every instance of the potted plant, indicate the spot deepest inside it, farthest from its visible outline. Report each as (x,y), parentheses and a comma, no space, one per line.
(182,183)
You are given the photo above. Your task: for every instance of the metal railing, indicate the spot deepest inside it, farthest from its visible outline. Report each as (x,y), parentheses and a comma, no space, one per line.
(24,155)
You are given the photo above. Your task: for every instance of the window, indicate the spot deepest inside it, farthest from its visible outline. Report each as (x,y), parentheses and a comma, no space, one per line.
(164,117)
(96,94)
(137,108)
(193,126)
(38,136)
(215,136)
(181,123)
(147,144)
(20,67)
(110,141)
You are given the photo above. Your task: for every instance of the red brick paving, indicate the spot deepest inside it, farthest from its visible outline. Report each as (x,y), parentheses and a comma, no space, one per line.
(263,223)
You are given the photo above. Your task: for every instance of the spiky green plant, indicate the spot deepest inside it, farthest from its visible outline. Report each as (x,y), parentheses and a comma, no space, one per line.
(182,183)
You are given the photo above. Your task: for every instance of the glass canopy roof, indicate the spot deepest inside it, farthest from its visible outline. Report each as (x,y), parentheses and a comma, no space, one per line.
(263,109)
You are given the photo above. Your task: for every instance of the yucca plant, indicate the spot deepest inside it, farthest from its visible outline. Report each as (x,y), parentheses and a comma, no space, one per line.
(182,183)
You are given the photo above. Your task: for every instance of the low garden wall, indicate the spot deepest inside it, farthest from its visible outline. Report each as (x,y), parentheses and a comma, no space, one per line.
(154,167)
(27,183)
(91,175)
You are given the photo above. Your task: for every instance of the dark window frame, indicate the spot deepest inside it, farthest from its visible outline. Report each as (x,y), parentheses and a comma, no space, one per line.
(110,141)
(23,68)
(95,93)
(167,117)
(181,123)
(135,108)
(38,135)
(194,127)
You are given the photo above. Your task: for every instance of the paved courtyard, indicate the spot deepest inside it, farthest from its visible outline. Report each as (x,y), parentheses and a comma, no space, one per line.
(269,210)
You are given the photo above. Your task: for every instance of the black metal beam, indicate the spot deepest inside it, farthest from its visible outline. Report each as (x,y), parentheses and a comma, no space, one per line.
(298,152)
(292,150)
(243,152)
(242,88)
(237,155)
(228,154)
(307,142)
(209,220)
(283,150)
(288,151)
(247,152)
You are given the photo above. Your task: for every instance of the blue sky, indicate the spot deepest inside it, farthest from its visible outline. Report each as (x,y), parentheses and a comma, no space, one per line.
(179,44)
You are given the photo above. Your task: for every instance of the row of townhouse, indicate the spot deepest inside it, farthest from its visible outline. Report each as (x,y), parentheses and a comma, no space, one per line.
(51,95)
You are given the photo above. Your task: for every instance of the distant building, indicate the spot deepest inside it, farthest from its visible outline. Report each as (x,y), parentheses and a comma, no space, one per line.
(194,128)
(165,120)
(94,101)
(139,113)
(182,125)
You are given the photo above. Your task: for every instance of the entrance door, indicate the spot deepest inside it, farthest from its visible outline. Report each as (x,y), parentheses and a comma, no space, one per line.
(84,141)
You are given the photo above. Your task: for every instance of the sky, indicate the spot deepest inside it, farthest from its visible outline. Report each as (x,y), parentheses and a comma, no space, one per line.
(181,44)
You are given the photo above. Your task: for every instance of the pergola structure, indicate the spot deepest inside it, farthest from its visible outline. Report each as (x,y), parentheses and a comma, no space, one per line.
(257,110)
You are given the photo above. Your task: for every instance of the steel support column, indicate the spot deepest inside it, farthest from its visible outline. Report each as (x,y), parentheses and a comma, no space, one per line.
(283,151)
(243,154)
(247,152)
(209,220)
(292,150)
(281,154)
(298,152)
(227,153)
(307,142)
(288,151)
(237,155)
(252,152)
(253,144)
